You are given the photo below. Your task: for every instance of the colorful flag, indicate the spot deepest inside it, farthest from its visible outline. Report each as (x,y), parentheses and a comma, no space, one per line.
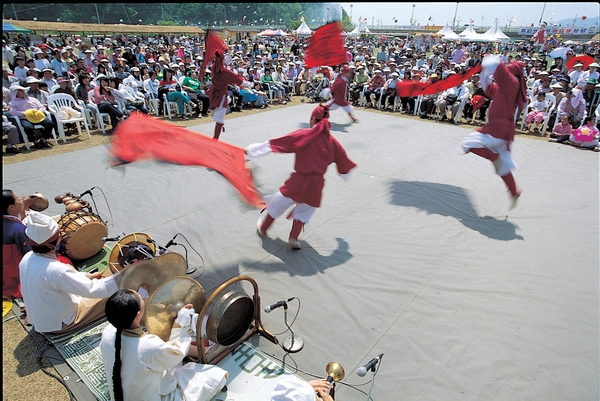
(214,44)
(142,137)
(325,47)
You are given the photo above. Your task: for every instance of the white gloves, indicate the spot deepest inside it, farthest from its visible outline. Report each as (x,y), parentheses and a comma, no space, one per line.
(187,319)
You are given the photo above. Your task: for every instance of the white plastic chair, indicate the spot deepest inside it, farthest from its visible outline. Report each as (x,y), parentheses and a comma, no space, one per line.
(418,102)
(17,124)
(551,99)
(17,121)
(99,116)
(169,107)
(58,100)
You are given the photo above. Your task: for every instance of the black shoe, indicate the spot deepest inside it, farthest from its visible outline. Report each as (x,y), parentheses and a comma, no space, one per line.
(46,145)
(14,150)
(38,145)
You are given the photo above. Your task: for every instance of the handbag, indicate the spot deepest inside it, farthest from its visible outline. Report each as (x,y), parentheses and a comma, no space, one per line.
(451,99)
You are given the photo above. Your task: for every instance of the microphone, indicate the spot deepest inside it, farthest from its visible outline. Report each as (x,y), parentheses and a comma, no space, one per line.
(88,192)
(118,237)
(172,242)
(276,305)
(369,366)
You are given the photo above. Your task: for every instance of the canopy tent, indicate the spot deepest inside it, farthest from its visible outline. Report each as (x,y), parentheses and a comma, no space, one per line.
(280,32)
(267,32)
(446,30)
(470,34)
(360,28)
(450,36)
(303,29)
(495,34)
(10,28)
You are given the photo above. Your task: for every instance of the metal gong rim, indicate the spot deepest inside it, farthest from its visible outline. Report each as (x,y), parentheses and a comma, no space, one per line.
(229,318)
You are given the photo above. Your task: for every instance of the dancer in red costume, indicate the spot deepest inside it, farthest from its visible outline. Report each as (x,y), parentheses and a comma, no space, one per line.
(315,150)
(220,80)
(493,140)
(339,91)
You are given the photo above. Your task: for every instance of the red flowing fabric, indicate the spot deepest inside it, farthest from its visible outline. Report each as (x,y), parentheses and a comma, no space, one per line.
(325,47)
(412,89)
(141,137)
(585,59)
(214,44)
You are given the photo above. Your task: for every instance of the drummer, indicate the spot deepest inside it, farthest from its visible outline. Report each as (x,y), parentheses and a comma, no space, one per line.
(58,298)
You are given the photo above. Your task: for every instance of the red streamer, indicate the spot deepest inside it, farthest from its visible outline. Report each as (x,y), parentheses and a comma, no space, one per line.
(325,47)
(412,89)
(141,137)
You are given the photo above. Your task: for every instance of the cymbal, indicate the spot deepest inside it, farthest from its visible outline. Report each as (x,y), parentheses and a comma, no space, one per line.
(174,262)
(166,301)
(146,274)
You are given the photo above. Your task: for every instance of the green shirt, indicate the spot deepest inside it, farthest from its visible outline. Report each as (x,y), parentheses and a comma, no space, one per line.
(192,83)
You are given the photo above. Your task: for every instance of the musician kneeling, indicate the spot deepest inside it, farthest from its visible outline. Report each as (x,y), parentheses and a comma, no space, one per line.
(59,298)
(141,366)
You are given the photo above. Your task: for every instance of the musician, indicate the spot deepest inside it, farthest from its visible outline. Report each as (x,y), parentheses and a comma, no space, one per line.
(141,366)
(59,298)
(315,150)
(13,241)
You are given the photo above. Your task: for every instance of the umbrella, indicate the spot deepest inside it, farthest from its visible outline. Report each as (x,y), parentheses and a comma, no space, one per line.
(559,52)
(9,27)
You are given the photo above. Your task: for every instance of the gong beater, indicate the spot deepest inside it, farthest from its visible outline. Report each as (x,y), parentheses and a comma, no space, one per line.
(231,318)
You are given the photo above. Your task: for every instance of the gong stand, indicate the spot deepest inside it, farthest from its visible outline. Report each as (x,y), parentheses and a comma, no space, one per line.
(255,327)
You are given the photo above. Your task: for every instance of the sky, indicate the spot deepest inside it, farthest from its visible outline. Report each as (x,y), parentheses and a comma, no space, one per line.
(483,14)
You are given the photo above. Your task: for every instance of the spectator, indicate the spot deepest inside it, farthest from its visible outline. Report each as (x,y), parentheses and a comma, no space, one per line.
(106,102)
(20,70)
(40,61)
(132,99)
(196,93)
(562,131)
(12,142)
(452,98)
(572,106)
(31,112)
(172,89)
(151,85)
(374,88)
(59,65)
(65,86)
(537,112)
(35,91)
(587,135)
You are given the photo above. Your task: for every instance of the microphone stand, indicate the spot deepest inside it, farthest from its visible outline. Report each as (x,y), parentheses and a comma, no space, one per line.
(291,344)
(373,372)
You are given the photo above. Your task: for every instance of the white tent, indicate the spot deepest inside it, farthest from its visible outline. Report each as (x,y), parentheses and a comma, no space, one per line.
(470,34)
(450,36)
(303,29)
(446,30)
(495,34)
(360,28)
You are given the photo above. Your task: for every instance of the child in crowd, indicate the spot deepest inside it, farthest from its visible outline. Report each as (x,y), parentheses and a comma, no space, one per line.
(562,131)
(537,113)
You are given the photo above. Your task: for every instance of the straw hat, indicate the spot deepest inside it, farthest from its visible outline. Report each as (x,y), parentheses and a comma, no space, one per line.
(34,116)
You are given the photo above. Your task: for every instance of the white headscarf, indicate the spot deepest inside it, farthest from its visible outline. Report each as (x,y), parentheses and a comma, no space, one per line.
(577,97)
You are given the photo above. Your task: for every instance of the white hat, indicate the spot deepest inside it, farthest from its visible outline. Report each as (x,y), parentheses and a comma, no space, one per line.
(39,227)
(293,390)
(16,87)
(594,65)
(33,80)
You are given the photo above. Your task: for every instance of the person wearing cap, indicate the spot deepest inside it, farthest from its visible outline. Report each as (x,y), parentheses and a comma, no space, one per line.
(31,112)
(586,75)
(296,390)
(315,150)
(101,54)
(35,91)
(48,78)
(451,97)
(374,87)
(65,86)
(589,92)
(40,60)
(360,80)
(575,74)
(59,298)
(493,141)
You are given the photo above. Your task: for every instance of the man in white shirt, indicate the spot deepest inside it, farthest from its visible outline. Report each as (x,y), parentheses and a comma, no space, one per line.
(59,298)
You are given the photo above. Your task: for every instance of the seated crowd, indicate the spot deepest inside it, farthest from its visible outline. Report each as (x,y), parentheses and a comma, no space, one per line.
(117,77)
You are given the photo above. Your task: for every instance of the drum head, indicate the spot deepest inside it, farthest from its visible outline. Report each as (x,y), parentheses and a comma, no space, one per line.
(164,304)
(119,251)
(229,318)
(173,262)
(83,234)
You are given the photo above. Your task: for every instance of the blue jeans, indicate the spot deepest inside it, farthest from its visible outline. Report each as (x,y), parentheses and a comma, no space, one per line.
(181,100)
